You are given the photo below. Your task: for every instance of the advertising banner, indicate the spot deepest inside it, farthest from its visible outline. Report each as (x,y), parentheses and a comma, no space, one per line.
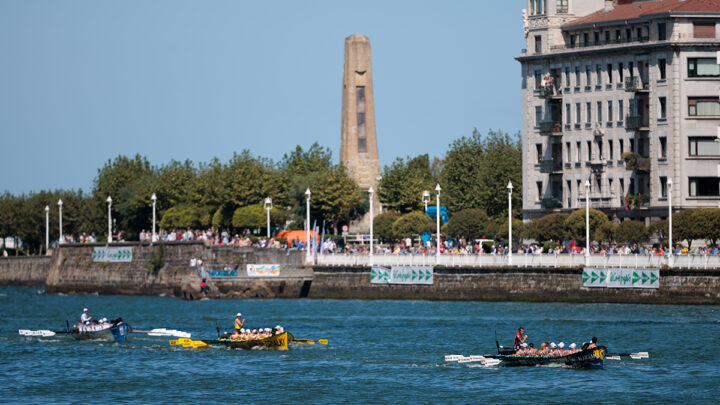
(263,270)
(379,275)
(112,254)
(621,278)
(409,275)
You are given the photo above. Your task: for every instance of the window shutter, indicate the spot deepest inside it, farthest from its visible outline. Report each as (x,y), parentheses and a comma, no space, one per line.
(704,29)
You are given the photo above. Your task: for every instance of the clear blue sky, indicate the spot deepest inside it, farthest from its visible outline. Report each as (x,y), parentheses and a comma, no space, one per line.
(84,81)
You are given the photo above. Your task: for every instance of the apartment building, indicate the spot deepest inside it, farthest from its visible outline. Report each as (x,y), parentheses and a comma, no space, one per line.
(623,95)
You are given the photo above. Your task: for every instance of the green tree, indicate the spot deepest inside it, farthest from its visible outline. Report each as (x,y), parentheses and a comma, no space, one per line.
(631,232)
(551,227)
(414,223)
(250,217)
(708,223)
(685,226)
(518,230)
(575,223)
(402,184)
(336,197)
(181,216)
(383,226)
(659,230)
(468,223)
(606,232)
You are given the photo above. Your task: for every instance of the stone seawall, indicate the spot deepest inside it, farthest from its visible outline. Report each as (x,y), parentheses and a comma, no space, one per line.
(512,284)
(24,270)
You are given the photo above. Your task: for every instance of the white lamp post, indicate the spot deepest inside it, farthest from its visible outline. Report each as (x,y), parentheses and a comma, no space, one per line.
(60,214)
(268,207)
(426,199)
(587,218)
(47,228)
(371,192)
(307,225)
(437,222)
(109,202)
(154,200)
(669,196)
(510,188)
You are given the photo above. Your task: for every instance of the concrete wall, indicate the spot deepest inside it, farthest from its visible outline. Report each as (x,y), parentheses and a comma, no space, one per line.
(541,285)
(23,270)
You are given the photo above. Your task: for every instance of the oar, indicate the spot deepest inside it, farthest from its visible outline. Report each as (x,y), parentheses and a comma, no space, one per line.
(41,332)
(310,341)
(164,332)
(638,355)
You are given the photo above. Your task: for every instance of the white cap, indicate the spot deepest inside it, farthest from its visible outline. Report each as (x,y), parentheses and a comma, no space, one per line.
(254,331)
(242,330)
(238,314)
(523,345)
(553,345)
(561,345)
(267,329)
(84,309)
(572,345)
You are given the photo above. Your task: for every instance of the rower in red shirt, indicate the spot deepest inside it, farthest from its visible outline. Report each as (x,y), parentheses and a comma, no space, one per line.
(519,338)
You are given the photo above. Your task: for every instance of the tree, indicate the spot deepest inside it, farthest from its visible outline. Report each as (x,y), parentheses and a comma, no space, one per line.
(414,223)
(402,184)
(383,226)
(250,217)
(468,223)
(685,226)
(606,232)
(659,230)
(549,227)
(517,230)
(476,171)
(337,197)
(181,216)
(575,223)
(631,232)
(250,180)
(708,223)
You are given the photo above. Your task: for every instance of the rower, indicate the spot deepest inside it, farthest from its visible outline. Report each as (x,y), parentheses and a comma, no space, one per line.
(519,338)
(239,322)
(553,349)
(561,346)
(85,318)
(523,350)
(593,343)
(572,347)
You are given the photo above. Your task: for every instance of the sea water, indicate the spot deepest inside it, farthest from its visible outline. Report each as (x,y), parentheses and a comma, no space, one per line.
(378,352)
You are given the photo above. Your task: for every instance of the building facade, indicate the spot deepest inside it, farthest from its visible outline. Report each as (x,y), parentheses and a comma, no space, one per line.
(623,95)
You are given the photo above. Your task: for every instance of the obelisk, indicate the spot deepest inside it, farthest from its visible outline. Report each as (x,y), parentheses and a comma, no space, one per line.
(358,146)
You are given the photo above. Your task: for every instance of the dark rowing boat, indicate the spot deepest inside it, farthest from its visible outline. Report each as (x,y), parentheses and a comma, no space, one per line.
(117,333)
(590,358)
(277,342)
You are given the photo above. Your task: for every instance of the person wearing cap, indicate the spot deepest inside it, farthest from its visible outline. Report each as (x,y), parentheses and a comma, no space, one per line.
(85,318)
(239,322)
(561,346)
(553,349)
(523,350)
(572,347)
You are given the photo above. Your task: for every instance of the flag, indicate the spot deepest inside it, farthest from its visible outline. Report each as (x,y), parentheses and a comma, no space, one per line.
(322,239)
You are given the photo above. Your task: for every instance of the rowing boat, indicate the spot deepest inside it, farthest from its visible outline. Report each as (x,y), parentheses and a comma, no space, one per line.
(591,358)
(117,333)
(276,342)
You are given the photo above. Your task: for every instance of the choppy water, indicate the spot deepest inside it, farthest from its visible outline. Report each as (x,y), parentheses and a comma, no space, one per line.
(379,352)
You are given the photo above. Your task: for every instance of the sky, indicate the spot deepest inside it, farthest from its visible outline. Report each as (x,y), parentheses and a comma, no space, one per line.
(82,82)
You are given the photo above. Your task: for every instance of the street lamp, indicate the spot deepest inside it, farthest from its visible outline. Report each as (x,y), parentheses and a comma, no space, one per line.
(437,222)
(47,228)
(510,188)
(60,214)
(154,200)
(307,225)
(426,199)
(669,196)
(109,202)
(268,207)
(587,218)
(371,192)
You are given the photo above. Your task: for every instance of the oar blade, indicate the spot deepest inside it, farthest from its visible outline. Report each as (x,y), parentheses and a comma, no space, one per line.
(323,341)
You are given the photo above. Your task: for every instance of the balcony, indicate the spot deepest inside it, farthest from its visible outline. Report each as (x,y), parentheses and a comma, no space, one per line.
(551,165)
(551,128)
(549,91)
(633,83)
(637,122)
(633,161)
(550,203)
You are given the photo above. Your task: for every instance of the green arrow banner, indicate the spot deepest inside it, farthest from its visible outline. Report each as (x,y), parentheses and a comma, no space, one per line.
(112,255)
(420,275)
(621,278)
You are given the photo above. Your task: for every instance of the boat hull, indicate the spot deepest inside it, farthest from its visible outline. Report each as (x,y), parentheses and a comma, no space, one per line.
(589,358)
(277,342)
(117,333)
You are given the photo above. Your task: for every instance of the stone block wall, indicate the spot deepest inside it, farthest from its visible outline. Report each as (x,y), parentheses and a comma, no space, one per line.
(24,270)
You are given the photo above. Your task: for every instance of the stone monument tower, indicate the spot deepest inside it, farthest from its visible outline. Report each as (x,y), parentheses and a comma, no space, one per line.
(358,146)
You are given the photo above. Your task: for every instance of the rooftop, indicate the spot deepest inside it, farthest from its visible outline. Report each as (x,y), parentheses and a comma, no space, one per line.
(640,9)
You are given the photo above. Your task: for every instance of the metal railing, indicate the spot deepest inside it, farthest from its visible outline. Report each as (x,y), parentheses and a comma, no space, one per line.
(521,260)
(633,83)
(636,121)
(551,127)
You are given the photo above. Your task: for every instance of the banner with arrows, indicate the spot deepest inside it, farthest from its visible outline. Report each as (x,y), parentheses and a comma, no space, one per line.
(112,254)
(621,278)
(408,275)
(379,275)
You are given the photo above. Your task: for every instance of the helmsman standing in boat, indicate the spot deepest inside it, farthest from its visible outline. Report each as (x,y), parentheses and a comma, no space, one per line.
(85,318)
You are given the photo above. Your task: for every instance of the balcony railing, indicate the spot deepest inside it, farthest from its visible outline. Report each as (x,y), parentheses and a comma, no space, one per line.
(551,127)
(550,203)
(636,121)
(633,83)
(550,165)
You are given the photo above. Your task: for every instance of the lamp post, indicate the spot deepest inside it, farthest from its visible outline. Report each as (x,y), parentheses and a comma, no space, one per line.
(669,195)
(268,207)
(154,200)
(47,228)
(60,215)
(371,192)
(510,188)
(308,259)
(426,199)
(109,202)
(587,218)
(437,222)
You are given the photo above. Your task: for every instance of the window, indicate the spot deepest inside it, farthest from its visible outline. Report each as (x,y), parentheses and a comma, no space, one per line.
(611,150)
(567,77)
(538,150)
(562,6)
(622,186)
(567,113)
(663,107)
(577,76)
(621,143)
(600,149)
(589,150)
(631,69)
(663,147)
(538,185)
(639,34)
(703,106)
(618,36)
(610,111)
(662,31)
(704,146)
(598,71)
(663,186)
(361,128)
(568,184)
(568,152)
(704,186)
(588,110)
(538,115)
(607,37)
(538,78)
(586,39)
(628,34)
(621,106)
(596,36)
(620,72)
(610,185)
(703,67)
(661,68)
(577,151)
(599,111)
(588,76)
(573,40)
(610,72)
(632,145)
(704,29)
(538,44)
(577,113)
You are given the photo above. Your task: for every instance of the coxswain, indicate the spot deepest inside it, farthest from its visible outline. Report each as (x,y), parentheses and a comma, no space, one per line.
(239,322)
(519,338)
(85,318)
